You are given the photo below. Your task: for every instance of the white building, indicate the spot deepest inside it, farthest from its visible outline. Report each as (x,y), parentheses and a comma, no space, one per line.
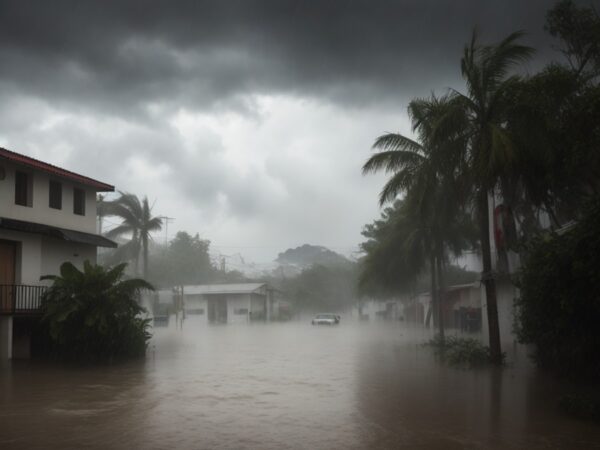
(230,303)
(371,309)
(47,217)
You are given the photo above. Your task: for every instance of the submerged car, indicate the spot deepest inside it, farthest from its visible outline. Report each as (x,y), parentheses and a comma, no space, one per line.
(326,319)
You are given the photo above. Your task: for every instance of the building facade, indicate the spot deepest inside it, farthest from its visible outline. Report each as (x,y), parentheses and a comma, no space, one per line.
(47,217)
(230,303)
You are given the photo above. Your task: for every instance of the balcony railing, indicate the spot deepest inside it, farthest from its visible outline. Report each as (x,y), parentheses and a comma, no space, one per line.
(20,299)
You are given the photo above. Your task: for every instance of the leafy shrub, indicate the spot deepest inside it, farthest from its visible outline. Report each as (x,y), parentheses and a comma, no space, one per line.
(461,351)
(559,306)
(94,315)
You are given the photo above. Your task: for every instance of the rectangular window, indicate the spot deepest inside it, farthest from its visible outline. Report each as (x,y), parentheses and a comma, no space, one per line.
(55,200)
(240,311)
(23,189)
(79,202)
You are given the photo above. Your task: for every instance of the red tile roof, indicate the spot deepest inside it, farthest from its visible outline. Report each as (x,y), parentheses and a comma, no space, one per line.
(40,165)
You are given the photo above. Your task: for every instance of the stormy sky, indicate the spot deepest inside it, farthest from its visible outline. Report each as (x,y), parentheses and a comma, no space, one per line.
(246,121)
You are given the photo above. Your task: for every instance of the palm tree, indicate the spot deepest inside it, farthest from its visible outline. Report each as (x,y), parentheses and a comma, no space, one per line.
(94,313)
(427,172)
(138,222)
(481,115)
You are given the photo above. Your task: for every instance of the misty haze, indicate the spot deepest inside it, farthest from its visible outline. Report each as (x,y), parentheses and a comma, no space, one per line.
(273,224)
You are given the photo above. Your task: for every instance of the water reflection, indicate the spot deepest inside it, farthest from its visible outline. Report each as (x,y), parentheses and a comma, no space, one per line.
(284,386)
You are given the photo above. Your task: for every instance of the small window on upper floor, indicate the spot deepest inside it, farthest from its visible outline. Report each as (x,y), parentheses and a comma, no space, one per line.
(55,196)
(23,189)
(79,202)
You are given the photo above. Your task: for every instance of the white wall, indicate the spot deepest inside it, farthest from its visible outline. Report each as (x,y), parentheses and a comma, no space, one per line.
(55,252)
(39,255)
(29,256)
(238,301)
(40,212)
(196,302)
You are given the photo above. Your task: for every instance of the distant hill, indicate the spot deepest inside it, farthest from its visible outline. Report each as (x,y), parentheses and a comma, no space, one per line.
(308,255)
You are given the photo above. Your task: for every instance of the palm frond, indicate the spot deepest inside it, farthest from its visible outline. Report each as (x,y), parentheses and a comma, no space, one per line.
(392,161)
(396,141)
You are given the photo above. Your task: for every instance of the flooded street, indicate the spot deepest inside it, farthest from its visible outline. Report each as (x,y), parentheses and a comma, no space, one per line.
(284,385)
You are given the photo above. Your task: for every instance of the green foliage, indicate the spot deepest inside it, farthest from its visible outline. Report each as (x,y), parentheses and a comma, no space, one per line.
(395,260)
(308,255)
(185,261)
(395,253)
(321,288)
(137,222)
(559,305)
(461,351)
(579,30)
(94,314)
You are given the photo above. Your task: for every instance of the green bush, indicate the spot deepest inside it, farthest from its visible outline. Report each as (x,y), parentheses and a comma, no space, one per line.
(93,315)
(559,306)
(461,351)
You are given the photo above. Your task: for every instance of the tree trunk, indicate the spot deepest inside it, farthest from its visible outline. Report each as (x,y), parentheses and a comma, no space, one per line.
(488,279)
(441,295)
(145,249)
(433,303)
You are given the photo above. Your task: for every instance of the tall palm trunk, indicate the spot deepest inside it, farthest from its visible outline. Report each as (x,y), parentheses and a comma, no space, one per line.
(488,278)
(441,293)
(145,250)
(433,291)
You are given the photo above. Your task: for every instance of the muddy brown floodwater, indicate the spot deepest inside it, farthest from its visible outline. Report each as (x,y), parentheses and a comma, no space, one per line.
(285,385)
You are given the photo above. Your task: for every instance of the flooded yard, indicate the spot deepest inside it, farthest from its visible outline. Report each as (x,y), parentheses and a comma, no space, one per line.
(285,385)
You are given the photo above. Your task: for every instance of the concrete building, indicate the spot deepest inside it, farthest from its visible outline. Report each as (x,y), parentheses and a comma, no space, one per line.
(378,310)
(462,308)
(47,217)
(231,303)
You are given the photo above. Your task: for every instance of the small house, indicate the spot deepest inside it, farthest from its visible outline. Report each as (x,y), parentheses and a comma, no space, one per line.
(230,303)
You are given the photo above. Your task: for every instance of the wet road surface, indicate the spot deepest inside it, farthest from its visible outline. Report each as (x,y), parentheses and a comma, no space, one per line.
(285,385)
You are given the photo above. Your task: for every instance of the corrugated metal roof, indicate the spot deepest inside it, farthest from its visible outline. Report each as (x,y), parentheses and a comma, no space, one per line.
(40,165)
(241,288)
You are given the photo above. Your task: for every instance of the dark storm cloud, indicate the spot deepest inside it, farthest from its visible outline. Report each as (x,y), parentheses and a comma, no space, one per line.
(124,56)
(247,121)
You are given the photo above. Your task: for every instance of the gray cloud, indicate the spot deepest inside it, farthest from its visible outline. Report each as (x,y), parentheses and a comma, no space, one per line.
(247,120)
(126,54)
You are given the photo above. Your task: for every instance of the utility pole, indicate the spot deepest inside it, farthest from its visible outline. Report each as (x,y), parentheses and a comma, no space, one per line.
(166,221)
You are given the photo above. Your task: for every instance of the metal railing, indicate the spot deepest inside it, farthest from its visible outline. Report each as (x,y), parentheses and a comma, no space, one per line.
(20,299)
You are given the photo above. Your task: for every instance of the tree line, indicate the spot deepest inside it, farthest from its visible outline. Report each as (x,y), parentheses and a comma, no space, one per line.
(530,140)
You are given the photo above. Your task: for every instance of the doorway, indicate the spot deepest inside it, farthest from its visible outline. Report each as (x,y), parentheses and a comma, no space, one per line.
(8,257)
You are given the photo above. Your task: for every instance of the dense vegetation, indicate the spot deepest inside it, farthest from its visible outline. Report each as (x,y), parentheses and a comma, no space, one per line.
(94,314)
(308,255)
(321,287)
(459,351)
(531,141)
(559,306)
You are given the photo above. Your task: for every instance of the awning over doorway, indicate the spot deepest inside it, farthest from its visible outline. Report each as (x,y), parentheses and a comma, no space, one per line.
(56,232)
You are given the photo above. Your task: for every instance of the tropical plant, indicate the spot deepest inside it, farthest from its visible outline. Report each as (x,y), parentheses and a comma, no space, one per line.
(186,260)
(94,314)
(578,27)
(558,309)
(138,223)
(427,171)
(479,117)
(461,351)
